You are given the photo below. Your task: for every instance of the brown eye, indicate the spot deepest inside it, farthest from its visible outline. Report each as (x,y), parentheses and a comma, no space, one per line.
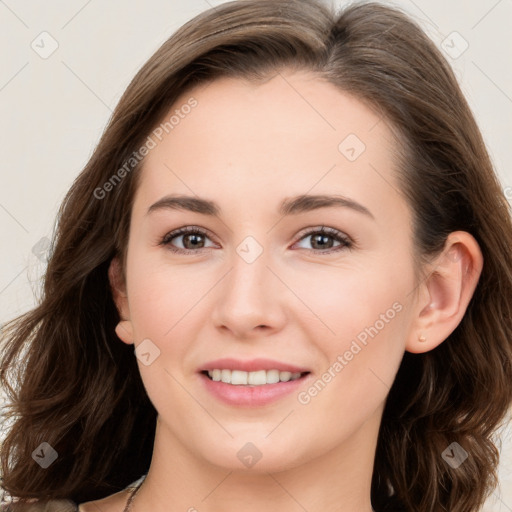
(193,239)
(323,240)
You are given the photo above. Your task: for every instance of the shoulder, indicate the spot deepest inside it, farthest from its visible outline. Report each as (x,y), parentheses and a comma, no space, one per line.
(40,506)
(112,503)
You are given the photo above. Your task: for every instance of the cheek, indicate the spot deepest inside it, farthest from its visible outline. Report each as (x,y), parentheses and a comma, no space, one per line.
(360,362)
(363,322)
(161,296)
(347,301)
(162,310)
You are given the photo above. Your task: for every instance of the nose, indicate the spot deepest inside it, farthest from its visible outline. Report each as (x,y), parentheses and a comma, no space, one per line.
(250,299)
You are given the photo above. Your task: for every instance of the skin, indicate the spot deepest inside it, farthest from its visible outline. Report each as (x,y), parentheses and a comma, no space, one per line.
(247,147)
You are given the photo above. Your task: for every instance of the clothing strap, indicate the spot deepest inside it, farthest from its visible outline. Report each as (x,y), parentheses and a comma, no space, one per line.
(132,495)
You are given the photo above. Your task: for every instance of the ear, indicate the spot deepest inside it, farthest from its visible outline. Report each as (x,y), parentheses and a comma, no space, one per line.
(124,328)
(445,293)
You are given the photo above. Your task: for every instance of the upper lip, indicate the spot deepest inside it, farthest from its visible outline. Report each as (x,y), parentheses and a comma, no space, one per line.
(251,365)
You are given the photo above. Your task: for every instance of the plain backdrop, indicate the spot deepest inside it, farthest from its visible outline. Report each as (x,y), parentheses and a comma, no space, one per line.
(55,106)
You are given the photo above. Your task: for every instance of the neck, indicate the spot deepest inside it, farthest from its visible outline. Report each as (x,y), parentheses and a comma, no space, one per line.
(338,480)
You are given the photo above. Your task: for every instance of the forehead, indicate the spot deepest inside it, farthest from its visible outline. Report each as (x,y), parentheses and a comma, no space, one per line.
(279,113)
(288,135)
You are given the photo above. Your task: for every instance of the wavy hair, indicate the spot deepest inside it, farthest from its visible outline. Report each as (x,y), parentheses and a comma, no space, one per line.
(71,383)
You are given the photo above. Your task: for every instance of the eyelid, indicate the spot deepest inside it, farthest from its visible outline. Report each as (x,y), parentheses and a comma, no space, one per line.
(183,231)
(323,229)
(346,242)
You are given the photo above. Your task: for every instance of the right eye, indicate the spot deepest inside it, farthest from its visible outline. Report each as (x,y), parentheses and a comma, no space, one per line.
(192,236)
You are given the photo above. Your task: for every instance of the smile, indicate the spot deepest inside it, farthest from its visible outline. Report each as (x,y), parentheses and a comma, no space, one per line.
(255,378)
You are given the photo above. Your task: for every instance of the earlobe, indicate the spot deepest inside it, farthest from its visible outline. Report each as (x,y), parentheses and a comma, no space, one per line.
(124,331)
(124,328)
(446,292)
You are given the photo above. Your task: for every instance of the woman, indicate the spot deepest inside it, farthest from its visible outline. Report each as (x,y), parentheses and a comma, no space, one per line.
(341,341)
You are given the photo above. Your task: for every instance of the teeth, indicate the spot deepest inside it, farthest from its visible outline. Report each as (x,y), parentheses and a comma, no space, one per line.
(255,378)
(238,377)
(258,378)
(285,376)
(273,376)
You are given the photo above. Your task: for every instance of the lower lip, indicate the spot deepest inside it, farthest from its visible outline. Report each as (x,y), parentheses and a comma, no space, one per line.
(251,396)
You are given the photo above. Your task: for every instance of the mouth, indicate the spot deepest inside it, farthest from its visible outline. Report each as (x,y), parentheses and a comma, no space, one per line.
(252,383)
(253,378)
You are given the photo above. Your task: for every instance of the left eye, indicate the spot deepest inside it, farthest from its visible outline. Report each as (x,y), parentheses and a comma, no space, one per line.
(320,238)
(193,237)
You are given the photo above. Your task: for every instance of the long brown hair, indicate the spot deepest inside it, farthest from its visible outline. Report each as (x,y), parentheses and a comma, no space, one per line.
(78,388)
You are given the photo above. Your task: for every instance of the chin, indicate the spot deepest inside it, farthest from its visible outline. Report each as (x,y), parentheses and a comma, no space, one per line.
(253,454)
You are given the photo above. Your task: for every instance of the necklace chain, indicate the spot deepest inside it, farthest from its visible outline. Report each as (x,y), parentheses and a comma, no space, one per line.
(130,498)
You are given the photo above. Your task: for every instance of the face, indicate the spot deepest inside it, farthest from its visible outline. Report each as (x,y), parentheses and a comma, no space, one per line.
(256,282)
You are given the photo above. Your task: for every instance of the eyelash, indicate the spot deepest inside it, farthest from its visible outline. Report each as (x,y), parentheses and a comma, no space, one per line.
(346,242)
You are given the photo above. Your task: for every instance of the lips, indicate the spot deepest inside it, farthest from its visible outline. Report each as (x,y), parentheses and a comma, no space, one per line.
(252,383)
(252,365)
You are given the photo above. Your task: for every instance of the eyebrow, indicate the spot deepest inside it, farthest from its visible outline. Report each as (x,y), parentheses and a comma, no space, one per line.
(289,206)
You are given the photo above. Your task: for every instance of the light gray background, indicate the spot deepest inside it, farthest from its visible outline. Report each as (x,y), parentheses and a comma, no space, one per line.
(54,109)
